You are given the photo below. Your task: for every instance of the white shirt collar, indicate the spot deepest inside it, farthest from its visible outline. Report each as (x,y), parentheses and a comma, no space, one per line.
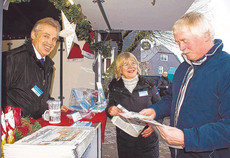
(37,54)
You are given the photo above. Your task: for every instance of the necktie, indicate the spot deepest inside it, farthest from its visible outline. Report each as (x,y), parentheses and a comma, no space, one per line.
(42,60)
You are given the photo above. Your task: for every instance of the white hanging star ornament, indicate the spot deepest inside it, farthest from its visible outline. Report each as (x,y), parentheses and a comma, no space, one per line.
(68,33)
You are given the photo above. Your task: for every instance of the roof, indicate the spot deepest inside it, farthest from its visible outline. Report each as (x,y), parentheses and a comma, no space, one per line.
(148,54)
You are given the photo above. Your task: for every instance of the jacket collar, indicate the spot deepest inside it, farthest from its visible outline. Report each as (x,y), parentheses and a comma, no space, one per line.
(218,45)
(31,51)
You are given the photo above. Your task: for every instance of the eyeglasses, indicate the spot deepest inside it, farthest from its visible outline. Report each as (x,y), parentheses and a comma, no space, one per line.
(126,65)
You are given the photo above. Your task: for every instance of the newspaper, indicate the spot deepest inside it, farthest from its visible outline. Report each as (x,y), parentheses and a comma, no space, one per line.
(52,141)
(131,127)
(133,123)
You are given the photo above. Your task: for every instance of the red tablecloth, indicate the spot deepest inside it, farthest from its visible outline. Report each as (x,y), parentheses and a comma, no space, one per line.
(65,121)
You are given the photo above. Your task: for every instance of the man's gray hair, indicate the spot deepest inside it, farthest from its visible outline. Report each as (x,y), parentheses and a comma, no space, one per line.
(49,21)
(195,22)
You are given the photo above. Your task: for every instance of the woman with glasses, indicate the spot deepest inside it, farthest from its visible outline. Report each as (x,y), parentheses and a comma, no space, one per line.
(133,92)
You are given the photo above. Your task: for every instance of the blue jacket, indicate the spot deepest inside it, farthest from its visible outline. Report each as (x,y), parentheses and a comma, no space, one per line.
(204,116)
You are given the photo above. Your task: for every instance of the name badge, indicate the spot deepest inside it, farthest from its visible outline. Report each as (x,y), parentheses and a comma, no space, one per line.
(37,90)
(143,93)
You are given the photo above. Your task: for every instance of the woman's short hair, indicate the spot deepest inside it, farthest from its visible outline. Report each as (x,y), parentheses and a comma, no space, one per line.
(196,23)
(121,58)
(49,21)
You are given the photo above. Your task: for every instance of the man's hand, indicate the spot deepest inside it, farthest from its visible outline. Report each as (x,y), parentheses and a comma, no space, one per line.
(148,112)
(171,135)
(114,111)
(64,108)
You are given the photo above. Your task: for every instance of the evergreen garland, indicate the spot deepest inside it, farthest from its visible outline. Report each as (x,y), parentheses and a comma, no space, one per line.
(74,15)
(26,128)
(18,1)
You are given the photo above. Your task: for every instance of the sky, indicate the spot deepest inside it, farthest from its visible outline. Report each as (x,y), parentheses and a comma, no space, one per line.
(218,12)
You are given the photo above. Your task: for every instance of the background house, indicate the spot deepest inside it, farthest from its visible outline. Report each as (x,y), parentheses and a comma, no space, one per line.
(154,59)
(158,59)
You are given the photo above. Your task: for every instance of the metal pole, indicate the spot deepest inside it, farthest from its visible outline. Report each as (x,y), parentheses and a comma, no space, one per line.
(104,14)
(1,22)
(99,60)
(61,71)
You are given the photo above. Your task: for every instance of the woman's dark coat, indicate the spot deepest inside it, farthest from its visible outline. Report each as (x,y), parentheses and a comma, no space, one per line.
(129,146)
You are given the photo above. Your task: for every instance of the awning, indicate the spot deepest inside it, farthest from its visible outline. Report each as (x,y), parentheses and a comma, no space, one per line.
(133,14)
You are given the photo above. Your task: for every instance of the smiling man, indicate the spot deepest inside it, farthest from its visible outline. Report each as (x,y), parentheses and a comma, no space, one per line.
(28,70)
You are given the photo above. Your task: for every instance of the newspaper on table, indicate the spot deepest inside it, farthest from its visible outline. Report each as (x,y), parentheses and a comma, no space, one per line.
(52,141)
(133,123)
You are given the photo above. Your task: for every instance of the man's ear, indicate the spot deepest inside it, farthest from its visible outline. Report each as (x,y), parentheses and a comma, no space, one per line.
(207,36)
(32,35)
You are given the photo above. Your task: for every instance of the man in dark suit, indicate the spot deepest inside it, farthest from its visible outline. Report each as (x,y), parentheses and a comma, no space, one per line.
(28,70)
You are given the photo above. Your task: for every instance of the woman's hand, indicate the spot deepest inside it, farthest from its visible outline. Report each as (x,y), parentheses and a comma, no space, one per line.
(147,132)
(114,111)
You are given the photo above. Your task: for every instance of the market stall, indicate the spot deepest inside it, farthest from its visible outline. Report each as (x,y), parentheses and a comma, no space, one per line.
(80,74)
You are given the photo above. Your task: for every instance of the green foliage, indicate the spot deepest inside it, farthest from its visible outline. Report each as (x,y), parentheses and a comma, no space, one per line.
(26,128)
(104,49)
(74,14)
(126,33)
(18,1)
(36,126)
(18,134)
(141,35)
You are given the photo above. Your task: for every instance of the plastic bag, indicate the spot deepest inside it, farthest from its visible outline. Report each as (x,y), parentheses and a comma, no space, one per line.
(82,99)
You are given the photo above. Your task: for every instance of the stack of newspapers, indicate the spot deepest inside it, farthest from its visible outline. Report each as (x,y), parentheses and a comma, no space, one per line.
(52,141)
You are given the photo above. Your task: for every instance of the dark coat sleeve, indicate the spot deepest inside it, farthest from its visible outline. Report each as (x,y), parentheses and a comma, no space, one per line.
(111,99)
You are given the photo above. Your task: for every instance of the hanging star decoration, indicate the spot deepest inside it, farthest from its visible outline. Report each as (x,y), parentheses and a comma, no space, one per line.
(68,33)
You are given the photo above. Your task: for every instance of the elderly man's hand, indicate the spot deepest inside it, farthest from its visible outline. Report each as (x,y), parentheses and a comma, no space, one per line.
(171,135)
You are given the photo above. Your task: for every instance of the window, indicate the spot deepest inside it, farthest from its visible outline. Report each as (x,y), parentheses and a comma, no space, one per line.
(164,57)
(160,69)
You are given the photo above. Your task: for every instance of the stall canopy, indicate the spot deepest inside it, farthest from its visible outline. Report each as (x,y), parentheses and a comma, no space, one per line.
(133,14)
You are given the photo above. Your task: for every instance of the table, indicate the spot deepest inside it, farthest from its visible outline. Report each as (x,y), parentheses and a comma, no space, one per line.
(98,122)
(94,150)
(65,121)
